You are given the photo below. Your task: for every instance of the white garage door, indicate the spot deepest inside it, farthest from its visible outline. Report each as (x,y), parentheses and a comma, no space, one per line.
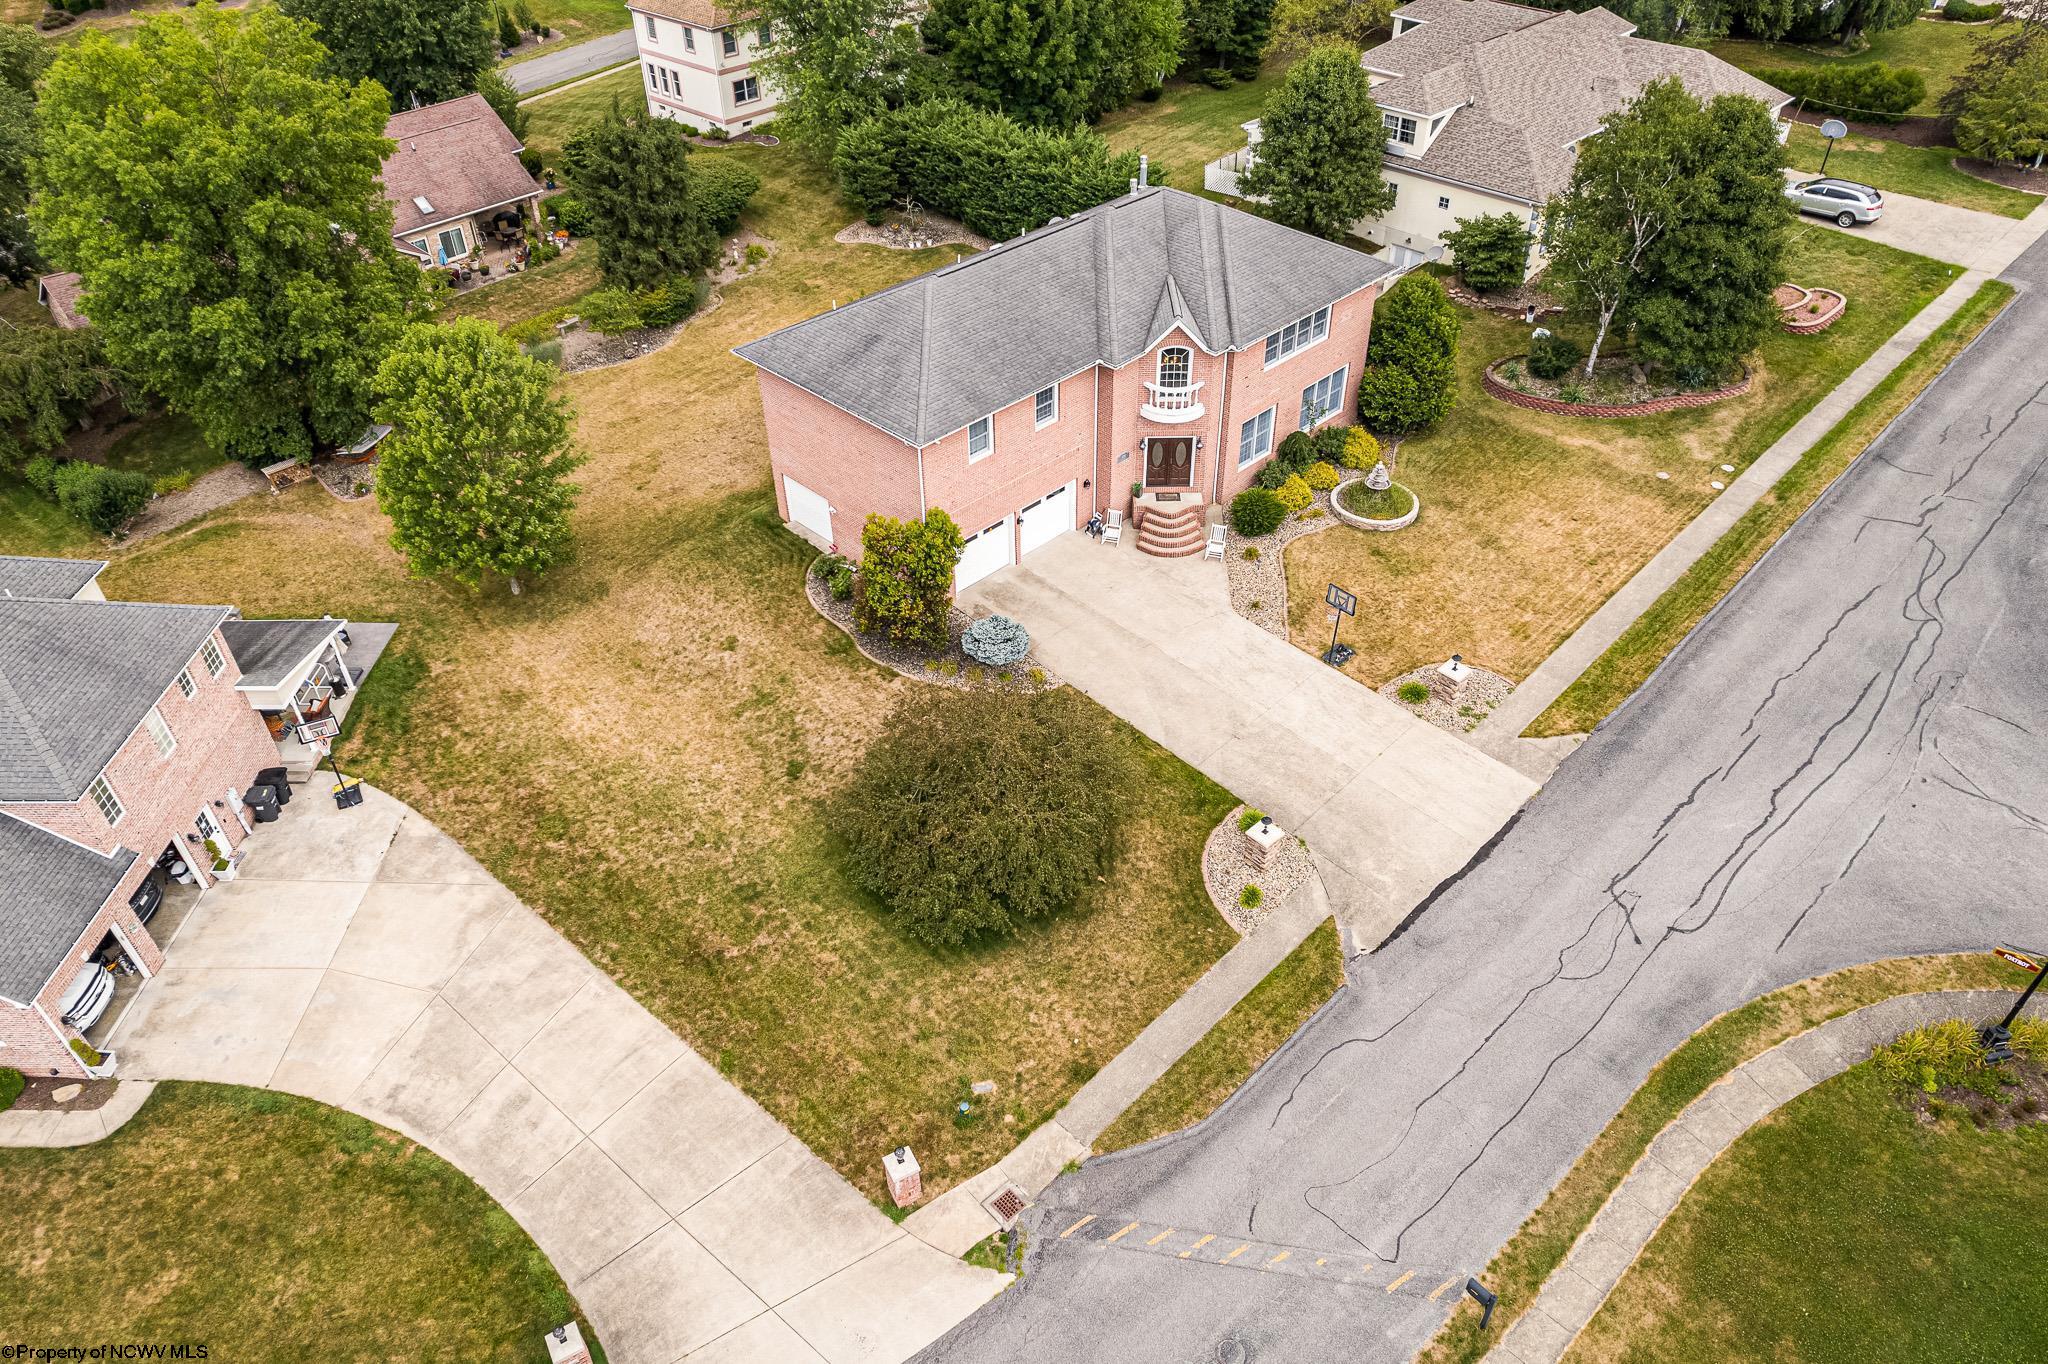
(1050,515)
(808,510)
(986,551)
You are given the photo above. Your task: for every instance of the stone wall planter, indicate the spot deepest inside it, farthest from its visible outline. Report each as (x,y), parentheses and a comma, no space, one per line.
(1676,402)
(1350,518)
(1804,311)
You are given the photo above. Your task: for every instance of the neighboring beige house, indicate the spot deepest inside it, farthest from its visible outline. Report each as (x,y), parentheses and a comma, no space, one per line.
(1485,104)
(698,61)
(59,293)
(455,182)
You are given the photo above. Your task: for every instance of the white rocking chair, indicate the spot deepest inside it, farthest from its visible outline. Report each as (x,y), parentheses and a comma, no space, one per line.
(1112,527)
(1214,549)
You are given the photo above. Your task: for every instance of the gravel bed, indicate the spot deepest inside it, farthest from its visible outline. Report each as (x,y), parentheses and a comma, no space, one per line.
(949,667)
(1226,871)
(1258,587)
(39,1094)
(1483,691)
(212,490)
(343,479)
(898,233)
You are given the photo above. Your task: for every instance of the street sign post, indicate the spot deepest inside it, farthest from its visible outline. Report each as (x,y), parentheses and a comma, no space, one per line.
(1997,1039)
(1341,604)
(1831,128)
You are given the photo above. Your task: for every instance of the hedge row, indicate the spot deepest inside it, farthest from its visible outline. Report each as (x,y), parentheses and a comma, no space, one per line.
(1873,93)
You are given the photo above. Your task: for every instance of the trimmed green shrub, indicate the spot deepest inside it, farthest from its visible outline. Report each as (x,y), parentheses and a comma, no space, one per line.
(41,474)
(1216,78)
(1320,477)
(1963,12)
(974,812)
(1869,93)
(101,498)
(569,214)
(1328,442)
(666,303)
(1257,511)
(530,161)
(1491,252)
(609,311)
(1272,474)
(1360,450)
(1414,693)
(905,588)
(838,576)
(996,641)
(1552,356)
(1294,494)
(1409,378)
(10,1087)
(1248,817)
(722,187)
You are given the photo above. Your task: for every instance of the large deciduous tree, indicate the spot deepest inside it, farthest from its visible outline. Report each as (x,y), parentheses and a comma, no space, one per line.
(49,379)
(1302,25)
(218,191)
(836,63)
(24,55)
(1231,34)
(1320,147)
(1142,42)
(1036,60)
(475,474)
(632,174)
(432,52)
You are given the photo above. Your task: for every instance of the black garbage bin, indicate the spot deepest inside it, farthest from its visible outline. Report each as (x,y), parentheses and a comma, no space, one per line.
(262,802)
(274,778)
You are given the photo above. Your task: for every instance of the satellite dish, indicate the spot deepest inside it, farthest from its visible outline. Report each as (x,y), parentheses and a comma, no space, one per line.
(1833,127)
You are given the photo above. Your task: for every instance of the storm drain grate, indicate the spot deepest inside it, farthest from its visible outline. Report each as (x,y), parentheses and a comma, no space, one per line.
(1007,1203)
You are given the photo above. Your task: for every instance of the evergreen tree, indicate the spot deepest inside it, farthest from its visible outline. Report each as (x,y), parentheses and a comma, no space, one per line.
(1491,252)
(1036,60)
(432,52)
(1141,47)
(218,191)
(2006,117)
(1231,34)
(632,175)
(1320,147)
(475,474)
(1410,378)
(24,55)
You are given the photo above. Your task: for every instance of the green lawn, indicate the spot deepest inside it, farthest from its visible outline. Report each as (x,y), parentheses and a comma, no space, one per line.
(267,1226)
(1530,521)
(1843,1229)
(1924,172)
(1190,125)
(1519,1268)
(1239,1044)
(1630,660)
(641,745)
(1935,48)
(575,20)
(155,445)
(552,119)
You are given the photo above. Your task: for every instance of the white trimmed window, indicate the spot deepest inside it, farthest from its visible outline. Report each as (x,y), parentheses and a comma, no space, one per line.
(746,90)
(187,688)
(1255,438)
(160,732)
(730,41)
(981,438)
(689,38)
(209,654)
(1297,335)
(103,796)
(1176,367)
(1400,128)
(1045,407)
(652,33)
(1321,399)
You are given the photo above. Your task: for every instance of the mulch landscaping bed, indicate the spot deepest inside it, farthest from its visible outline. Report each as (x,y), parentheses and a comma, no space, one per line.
(1227,870)
(1619,388)
(1804,311)
(949,667)
(2003,173)
(1483,691)
(2024,1104)
(38,1094)
(1913,132)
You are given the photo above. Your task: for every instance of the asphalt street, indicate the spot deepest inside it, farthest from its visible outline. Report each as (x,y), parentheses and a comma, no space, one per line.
(567,63)
(1846,761)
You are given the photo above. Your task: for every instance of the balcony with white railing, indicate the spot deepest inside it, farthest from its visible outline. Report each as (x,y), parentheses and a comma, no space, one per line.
(1171,403)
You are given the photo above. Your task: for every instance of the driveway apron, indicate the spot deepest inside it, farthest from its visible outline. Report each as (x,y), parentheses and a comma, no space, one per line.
(363,959)
(1390,805)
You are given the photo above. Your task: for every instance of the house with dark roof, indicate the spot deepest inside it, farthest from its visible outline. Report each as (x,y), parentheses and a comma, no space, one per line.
(130,735)
(1485,104)
(1144,357)
(700,63)
(455,181)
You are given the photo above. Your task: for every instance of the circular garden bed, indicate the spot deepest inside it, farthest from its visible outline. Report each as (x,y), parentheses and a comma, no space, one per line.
(1806,311)
(1618,388)
(1392,508)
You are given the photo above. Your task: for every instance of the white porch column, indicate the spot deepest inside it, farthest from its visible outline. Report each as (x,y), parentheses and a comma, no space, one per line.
(334,647)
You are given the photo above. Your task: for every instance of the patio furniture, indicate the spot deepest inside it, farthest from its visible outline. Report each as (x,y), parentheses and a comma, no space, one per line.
(1214,549)
(1113,528)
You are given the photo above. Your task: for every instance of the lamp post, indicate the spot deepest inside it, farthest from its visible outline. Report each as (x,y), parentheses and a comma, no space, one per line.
(1997,1038)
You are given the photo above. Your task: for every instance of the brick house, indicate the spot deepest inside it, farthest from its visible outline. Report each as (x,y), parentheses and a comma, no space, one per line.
(699,63)
(1147,356)
(127,740)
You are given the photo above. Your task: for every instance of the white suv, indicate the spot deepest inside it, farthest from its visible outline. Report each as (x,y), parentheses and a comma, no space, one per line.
(1847,202)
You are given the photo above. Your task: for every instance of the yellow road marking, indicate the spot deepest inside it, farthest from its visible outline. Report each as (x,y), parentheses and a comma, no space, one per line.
(1077,1226)
(1439,1292)
(1321,1261)
(1162,1236)
(1197,1246)
(1278,1258)
(1235,1253)
(1128,1228)
(1398,1282)
(1365,1268)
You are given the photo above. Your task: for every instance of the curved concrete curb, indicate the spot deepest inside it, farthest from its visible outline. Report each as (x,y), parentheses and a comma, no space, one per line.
(55,1127)
(1349,518)
(1708,1126)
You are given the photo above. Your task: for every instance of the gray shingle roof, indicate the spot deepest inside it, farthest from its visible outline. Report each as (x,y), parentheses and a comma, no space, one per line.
(926,357)
(49,891)
(266,650)
(58,579)
(1526,85)
(76,678)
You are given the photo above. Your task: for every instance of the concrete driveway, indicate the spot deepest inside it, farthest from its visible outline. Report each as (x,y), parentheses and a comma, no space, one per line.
(364,960)
(1389,804)
(1966,236)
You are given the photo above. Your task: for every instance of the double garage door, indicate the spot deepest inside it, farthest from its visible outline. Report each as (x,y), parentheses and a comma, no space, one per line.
(990,548)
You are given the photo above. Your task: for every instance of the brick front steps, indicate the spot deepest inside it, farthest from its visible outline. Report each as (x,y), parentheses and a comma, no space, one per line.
(1173,534)
(1675,402)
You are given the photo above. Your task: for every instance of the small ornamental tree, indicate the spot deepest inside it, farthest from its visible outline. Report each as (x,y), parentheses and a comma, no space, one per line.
(475,474)
(1491,252)
(905,587)
(49,379)
(1320,147)
(634,179)
(1410,377)
(975,812)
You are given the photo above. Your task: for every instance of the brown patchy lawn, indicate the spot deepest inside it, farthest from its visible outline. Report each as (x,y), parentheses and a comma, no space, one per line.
(641,747)
(1530,521)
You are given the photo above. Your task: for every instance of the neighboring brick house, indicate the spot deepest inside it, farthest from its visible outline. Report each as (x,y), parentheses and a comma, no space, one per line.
(700,63)
(126,742)
(1159,340)
(455,182)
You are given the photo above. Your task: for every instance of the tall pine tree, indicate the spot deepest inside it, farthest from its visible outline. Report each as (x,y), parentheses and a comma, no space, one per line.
(632,173)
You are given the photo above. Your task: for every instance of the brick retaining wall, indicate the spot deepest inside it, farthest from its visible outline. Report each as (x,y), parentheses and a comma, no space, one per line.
(1676,402)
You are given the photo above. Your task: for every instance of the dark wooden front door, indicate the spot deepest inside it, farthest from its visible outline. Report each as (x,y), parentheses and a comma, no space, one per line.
(1170,462)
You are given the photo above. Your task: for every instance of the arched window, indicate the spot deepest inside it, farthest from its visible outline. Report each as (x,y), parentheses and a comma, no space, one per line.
(1176,367)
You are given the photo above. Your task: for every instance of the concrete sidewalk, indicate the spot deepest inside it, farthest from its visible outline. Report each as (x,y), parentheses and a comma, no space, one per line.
(82,1127)
(364,960)
(1389,804)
